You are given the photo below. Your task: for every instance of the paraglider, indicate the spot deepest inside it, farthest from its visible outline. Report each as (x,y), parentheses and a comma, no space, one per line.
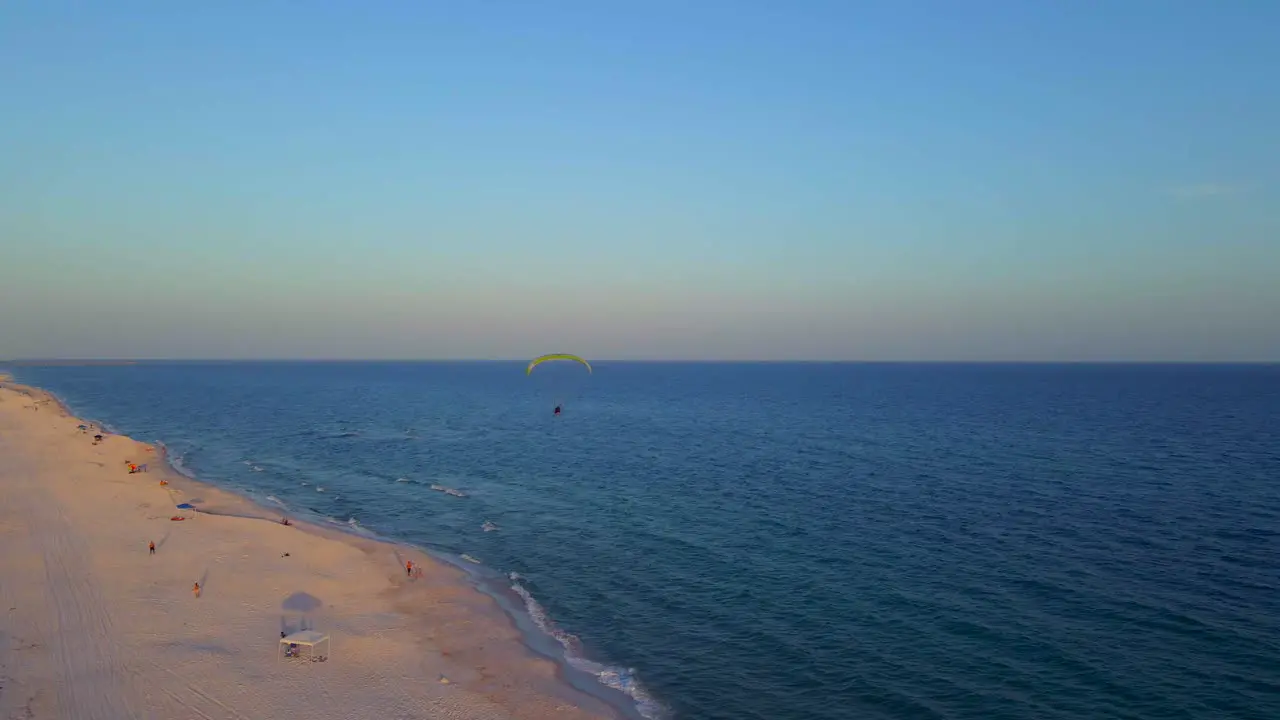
(556,356)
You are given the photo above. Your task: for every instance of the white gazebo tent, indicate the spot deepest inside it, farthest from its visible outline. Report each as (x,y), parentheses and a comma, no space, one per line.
(309,639)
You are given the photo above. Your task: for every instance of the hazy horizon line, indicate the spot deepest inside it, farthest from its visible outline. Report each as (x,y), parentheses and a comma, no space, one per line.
(19,362)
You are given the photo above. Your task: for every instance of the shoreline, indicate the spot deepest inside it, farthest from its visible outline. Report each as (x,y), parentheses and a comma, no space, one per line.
(481,578)
(536,678)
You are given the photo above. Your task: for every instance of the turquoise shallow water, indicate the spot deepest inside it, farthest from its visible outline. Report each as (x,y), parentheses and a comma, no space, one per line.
(805,541)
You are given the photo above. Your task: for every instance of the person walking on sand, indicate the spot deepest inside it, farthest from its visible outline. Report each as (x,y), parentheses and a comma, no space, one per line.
(195,590)
(151,548)
(408,568)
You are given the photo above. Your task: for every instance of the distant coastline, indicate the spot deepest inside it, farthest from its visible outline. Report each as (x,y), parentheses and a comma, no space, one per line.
(64,363)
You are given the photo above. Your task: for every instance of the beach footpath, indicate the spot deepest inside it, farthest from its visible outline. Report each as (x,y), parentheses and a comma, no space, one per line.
(129,591)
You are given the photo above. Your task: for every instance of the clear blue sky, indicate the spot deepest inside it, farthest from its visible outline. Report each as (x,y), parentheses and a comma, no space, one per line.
(658,179)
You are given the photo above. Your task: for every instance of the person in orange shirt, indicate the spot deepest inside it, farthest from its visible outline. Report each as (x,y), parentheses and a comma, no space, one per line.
(195,590)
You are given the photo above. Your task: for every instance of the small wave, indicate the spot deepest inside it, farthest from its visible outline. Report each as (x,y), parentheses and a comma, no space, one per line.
(621,679)
(488,526)
(175,462)
(352,526)
(403,480)
(257,469)
(319,489)
(471,558)
(448,490)
(275,501)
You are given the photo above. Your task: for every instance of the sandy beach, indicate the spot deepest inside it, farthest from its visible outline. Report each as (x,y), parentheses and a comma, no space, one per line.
(93,625)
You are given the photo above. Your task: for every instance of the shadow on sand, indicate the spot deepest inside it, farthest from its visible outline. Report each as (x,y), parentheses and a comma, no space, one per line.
(298,612)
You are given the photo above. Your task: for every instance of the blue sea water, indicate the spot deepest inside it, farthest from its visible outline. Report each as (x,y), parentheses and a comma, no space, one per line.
(799,541)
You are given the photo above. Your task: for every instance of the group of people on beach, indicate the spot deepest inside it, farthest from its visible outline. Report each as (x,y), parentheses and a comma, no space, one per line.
(97,438)
(151,545)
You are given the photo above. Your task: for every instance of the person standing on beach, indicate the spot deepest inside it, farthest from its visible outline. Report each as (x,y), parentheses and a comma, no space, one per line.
(195,590)
(151,548)
(408,568)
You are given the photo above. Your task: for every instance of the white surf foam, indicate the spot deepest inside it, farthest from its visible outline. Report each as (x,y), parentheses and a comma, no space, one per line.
(621,679)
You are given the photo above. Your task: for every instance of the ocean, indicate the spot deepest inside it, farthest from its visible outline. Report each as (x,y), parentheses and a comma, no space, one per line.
(796,541)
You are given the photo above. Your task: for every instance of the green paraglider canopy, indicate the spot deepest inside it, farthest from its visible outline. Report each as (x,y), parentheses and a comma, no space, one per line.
(555,356)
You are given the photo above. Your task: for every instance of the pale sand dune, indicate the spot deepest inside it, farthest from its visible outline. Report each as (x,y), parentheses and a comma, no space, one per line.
(91,626)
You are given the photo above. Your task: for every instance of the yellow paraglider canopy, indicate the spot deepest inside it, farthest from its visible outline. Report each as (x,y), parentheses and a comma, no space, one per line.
(555,356)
